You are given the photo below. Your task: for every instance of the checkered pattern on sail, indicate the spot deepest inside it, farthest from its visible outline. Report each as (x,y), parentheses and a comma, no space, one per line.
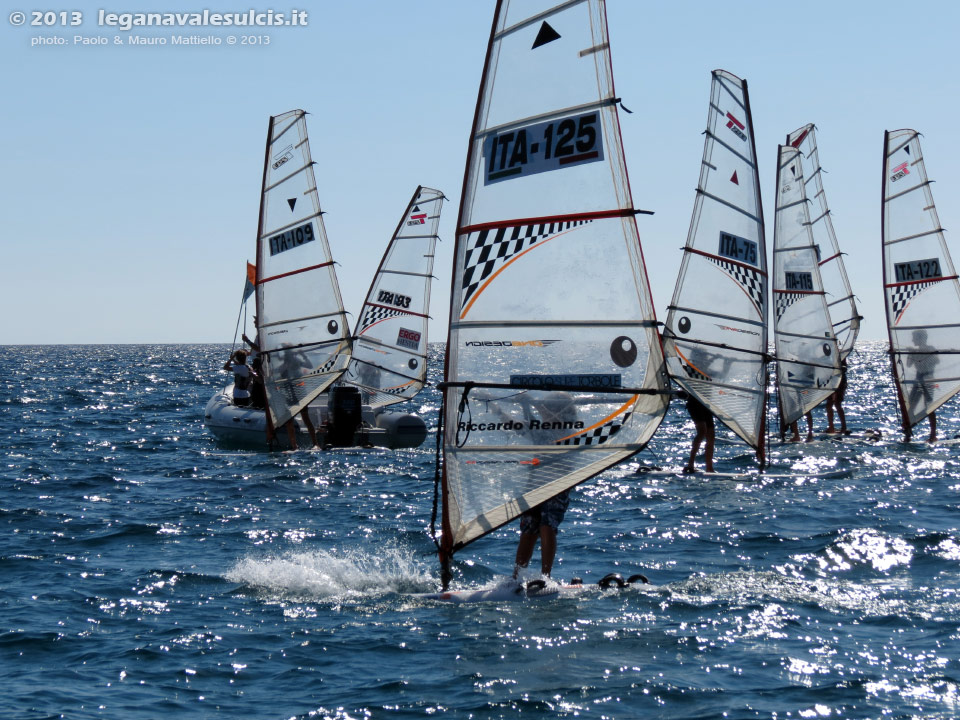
(329,364)
(691,371)
(490,249)
(748,278)
(376,313)
(903,294)
(599,435)
(785,300)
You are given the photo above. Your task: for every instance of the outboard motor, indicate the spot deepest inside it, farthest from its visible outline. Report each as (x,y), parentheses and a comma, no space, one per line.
(345,412)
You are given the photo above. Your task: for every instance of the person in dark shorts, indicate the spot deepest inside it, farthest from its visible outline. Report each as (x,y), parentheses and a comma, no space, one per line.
(703,421)
(541,523)
(834,402)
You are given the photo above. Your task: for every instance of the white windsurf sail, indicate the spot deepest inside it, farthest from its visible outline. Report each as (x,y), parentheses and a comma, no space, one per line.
(715,339)
(836,285)
(389,361)
(920,284)
(303,335)
(808,357)
(553,366)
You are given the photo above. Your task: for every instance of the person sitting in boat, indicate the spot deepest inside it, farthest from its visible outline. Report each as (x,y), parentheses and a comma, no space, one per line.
(703,422)
(542,522)
(242,377)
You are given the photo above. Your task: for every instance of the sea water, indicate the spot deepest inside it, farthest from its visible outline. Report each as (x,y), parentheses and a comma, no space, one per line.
(145,572)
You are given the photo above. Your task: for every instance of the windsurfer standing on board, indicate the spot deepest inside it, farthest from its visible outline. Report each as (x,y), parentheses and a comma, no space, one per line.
(923,359)
(543,521)
(703,421)
(834,403)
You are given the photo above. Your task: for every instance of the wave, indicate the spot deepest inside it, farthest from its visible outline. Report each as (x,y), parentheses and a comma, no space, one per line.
(320,574)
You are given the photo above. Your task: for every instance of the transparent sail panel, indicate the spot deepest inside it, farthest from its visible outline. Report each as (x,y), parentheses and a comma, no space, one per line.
(302,333)
(920,283)
(551,314)
(389,361)
(840,299)
(715,336)
(808,358)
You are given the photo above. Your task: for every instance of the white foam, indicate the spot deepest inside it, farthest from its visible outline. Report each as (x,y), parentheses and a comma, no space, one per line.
(322,573)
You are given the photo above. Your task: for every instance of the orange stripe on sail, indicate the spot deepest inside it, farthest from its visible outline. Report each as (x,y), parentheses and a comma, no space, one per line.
(622,409)
(687,361)
(505,266)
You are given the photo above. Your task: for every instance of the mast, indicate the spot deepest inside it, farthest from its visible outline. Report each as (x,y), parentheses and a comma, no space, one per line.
(554,368)
(715,335)
(389,361)
(301,324)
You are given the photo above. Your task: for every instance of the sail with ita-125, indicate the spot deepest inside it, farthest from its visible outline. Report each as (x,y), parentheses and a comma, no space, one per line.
(389,361)
(303,336)
(715,335)
(920,284)
(553,365)
(808,356)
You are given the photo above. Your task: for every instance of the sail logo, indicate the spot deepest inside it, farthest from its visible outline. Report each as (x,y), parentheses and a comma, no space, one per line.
(285,156)
(392,298)
(290,239)
(899,171)
(409,339)
(418,219)
(737,127)
(509,343)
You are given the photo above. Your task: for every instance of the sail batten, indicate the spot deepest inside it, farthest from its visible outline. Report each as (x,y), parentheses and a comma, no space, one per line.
(300,315)
(546,240)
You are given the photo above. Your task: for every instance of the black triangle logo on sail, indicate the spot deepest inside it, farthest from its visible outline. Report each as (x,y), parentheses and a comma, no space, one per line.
(733,178)
(546,35)
(291,202)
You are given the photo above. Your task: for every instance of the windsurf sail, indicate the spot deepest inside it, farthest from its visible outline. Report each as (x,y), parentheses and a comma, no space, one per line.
(303,336)
(715,336)
(389,361)
(553,367)
(920,284)
(840,299)
(808,357)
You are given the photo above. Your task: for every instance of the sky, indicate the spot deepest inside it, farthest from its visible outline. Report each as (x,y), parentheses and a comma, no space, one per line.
(132,173)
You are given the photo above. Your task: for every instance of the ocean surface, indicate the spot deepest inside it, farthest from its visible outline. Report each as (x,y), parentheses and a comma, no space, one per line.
(145,572)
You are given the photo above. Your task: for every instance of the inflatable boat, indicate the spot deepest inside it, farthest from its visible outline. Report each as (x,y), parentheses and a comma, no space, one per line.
(339,418)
